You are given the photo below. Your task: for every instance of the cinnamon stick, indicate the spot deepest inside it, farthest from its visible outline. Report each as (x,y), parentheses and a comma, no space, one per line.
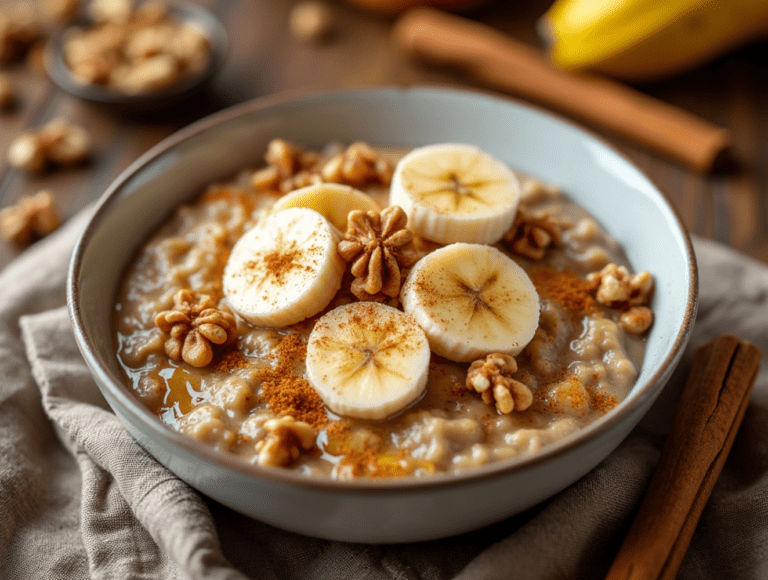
(501,62)
(711,407)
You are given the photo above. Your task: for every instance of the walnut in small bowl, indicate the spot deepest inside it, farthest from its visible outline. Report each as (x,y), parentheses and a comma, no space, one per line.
(139,57)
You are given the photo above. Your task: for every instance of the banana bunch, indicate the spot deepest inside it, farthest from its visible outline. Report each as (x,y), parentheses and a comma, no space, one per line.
(642,40)
(462,301)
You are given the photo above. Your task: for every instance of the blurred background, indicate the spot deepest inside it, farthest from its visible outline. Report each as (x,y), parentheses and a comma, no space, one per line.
(704,58)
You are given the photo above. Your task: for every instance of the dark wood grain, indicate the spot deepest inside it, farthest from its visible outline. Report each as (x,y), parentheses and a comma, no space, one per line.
(265,58)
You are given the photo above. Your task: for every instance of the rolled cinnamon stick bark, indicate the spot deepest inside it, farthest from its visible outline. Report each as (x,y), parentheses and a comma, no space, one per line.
(708,416)
(501,62)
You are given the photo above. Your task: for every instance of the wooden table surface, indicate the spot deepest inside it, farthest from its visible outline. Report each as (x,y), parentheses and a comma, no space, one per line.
(265,58)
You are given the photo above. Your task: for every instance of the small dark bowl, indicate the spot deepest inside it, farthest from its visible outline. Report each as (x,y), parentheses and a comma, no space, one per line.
(150,102)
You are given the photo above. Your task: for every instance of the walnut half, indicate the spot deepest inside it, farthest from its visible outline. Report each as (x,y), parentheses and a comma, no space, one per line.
(492,378)
(378,244)
(286,439)
(531,235)
(33,216)
(195,325)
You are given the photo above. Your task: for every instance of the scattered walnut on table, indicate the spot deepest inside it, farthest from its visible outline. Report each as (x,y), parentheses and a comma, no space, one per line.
(378,244)
(26,152)
(492,378)
(65,143)
(531,234)
(33,216)
(59,142)
(286,439)
(195,325)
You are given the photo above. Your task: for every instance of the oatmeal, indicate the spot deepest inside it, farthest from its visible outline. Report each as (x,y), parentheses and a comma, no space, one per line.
(356,347)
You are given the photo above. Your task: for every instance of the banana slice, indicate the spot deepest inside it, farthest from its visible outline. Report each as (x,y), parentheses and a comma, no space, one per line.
(472,300)
(284,269)
(367,360)
(455,193)
(332,200)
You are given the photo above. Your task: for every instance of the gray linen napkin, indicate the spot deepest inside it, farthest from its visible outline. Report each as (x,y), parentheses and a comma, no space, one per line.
(79,499)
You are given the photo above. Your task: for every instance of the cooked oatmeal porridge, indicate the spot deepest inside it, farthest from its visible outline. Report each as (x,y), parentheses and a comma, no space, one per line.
(369,312)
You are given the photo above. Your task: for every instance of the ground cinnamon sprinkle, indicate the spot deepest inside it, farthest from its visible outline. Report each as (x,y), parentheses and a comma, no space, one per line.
(575,295)
(280,263)
(231,361)
(602,403)
(289,394)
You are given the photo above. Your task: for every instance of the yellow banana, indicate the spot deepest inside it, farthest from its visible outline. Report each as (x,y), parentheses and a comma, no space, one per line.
(641,40)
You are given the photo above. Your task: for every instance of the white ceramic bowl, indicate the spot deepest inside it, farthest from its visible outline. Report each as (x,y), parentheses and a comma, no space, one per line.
(598,178)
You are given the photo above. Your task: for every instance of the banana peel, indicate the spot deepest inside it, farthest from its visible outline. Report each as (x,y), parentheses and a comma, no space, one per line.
(645,40)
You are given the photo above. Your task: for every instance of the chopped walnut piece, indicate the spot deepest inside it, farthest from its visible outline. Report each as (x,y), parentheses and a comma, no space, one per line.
(531,235)
(286,439)
(33,216)
(617,288)
(301,179)
(266,179)
(311,21)
(358,165)
(637,319)
(289,167)
(492,378)
(378,244)
(284,156)
(195,325)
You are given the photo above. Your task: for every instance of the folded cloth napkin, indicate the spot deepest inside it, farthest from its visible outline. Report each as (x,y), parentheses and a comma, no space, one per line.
(80,499)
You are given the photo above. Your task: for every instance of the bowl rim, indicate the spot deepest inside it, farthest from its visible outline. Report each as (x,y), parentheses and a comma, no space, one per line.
(211,26)
(138,412)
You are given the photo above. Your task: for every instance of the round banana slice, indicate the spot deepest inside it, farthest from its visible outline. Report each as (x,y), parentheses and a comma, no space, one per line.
(332,200)
(284,269)
(472,300)
(455,193)
(367,360)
